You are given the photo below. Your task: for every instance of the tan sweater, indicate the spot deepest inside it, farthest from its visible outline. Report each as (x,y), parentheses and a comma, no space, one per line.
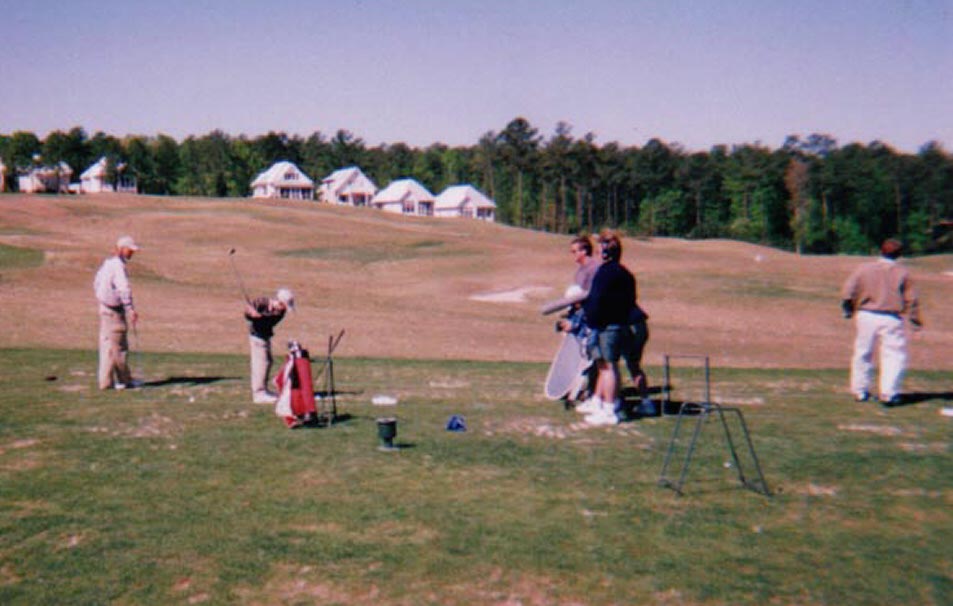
(883,286)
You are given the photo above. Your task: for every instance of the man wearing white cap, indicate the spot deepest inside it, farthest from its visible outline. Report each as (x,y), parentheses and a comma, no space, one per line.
(263,314)
(116,312)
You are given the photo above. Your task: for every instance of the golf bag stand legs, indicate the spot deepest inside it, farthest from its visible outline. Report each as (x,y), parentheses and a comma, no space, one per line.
(328,409)
(703,412)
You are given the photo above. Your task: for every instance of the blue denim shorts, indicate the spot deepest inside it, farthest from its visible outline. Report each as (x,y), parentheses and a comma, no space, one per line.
(610,343)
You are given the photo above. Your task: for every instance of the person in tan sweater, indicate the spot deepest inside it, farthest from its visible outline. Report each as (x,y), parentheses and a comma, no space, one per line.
(879,295)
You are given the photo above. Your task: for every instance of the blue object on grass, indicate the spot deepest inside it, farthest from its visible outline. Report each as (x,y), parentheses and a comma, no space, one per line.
(456,423)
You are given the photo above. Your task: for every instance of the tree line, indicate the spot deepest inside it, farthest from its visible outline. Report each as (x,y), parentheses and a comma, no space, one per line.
(809,195)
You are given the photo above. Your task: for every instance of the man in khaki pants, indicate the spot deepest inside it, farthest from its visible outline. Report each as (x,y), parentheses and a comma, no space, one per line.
(116,311)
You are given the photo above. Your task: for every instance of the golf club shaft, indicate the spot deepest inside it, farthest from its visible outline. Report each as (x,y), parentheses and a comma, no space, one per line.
(135,352)
(238,276)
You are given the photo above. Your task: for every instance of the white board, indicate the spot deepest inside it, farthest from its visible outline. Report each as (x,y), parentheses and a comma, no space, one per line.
(568,370)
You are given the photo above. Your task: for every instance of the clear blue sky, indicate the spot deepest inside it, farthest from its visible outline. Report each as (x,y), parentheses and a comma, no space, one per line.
(697,73)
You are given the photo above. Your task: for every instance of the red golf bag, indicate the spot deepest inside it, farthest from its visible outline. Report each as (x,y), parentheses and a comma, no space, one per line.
(295,390)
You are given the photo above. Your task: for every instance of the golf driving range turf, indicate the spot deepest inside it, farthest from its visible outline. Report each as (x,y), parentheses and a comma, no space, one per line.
(184,491)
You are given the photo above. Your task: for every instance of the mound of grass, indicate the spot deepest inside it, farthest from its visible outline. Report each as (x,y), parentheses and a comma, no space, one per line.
(184,491)
(14,257)
(375,253)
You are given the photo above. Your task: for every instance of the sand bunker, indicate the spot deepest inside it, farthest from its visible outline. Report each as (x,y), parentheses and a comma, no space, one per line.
(517,295)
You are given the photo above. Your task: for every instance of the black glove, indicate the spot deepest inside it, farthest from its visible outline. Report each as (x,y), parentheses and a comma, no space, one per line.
(847,307)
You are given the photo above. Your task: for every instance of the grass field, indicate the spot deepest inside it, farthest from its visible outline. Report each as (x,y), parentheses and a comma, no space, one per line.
(183,492)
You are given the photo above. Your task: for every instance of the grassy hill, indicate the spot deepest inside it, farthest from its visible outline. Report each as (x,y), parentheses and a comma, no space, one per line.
(416,287)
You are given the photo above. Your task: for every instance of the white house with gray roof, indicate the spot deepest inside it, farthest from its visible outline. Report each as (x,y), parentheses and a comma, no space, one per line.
(464,201)
(283,180)
(405,196)
(347,186)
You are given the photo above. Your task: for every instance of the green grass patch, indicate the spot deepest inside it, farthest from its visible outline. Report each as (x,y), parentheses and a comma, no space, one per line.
(15,257)
(184,491)
(766,287)
(376,253)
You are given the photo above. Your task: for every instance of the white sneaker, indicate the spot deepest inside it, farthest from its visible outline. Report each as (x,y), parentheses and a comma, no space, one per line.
(603,416)
(590,406)
(602,419)
(264,397)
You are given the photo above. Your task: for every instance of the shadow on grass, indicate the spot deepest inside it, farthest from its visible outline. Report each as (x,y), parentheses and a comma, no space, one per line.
(322,423)
(187,381)
(918,397)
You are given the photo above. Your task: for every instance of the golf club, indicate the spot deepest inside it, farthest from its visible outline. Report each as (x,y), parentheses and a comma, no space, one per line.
(135,354)
(238,276)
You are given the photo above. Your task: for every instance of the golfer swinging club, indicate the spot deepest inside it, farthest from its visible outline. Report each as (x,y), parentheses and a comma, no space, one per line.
(116,311)
(263,314)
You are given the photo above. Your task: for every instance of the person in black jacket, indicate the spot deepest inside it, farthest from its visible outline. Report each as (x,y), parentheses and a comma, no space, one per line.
(610,311)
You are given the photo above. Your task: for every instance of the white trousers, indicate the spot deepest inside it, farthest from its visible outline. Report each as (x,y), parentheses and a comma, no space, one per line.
(888,329)
(260,364)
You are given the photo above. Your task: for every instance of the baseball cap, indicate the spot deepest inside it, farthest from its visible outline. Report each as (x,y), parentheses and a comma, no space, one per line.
(891,248)
(287,297)
(126,242)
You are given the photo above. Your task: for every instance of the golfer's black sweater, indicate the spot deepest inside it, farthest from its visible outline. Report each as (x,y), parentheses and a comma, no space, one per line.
(612,296)
(264,327)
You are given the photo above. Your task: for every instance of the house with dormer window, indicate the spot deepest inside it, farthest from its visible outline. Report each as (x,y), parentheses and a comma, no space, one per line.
(405,196)
(348,186)
(45,179)
(95,179)
(283,180)
(465,201)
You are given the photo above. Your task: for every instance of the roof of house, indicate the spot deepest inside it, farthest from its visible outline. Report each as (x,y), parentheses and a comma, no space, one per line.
(96,169)
(403,189)
(61,168)
(278,172)
(456,196)
(350,179)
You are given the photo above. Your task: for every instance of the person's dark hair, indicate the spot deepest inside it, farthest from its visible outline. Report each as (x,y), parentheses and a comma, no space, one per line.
(585,242)
(611,246)
(891,248)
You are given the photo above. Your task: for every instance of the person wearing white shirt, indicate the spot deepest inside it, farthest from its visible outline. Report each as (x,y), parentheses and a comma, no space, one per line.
(116,313)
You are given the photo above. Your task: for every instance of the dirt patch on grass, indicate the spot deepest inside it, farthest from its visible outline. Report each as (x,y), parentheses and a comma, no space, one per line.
(303,584)
(880,430)
(8,575)
(21,457)
(541,427)
(153,426)
(502,588)
(816,490)
(923,448)
(71,541)
(74,388)
(19,445)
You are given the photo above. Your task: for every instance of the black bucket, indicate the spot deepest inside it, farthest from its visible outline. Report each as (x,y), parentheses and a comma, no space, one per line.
(387,431)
